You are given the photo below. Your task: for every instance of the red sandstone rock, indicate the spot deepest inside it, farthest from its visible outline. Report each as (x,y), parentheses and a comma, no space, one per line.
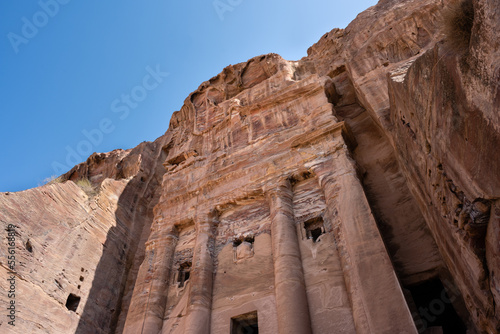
(318,196)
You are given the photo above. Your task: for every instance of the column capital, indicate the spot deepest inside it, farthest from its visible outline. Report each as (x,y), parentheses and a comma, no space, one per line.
(165,235)
(206,217)
(330,169)
(281,188)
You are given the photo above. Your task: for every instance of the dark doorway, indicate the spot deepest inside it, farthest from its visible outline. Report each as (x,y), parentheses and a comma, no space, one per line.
(245,324)
(435,309)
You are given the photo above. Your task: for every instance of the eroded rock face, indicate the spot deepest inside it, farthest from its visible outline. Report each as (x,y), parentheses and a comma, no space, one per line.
(81,242)
(445,133)
(353,191)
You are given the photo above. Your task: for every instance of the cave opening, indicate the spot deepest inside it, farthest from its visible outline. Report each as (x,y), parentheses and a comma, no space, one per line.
(434,308)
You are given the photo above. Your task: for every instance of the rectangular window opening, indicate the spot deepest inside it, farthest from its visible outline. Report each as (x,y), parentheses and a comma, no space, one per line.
(245,324)
(72,302)
(314,228)
(238,241)
(183,274)
(243,247)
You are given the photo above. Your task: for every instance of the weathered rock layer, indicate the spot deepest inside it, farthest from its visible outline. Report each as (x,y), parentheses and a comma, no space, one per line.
(354,191)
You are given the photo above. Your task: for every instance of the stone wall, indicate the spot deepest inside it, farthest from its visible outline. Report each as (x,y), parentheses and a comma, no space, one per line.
(353,191)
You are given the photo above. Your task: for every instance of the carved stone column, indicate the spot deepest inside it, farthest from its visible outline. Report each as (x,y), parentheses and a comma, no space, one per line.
(377,299)
(149,298)
(201,279)
(289,285)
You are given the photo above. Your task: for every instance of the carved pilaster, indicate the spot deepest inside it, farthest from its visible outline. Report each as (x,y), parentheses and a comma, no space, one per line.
(201,281)
(149,298)
(290,290)
(371,281)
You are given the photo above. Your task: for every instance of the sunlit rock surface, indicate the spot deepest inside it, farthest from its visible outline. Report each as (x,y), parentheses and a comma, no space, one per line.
(353,191)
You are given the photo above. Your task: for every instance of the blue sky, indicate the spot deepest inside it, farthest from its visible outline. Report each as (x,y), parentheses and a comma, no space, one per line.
(78,77)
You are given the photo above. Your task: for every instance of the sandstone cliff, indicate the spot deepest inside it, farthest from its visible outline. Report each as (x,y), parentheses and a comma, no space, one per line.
(361,177)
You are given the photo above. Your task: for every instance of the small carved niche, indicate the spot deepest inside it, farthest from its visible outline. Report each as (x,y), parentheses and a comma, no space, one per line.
(243,247)
(72,302)
(314,228)
(183,274)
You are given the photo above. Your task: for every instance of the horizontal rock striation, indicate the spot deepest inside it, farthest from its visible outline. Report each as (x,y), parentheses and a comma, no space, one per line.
(353,191)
